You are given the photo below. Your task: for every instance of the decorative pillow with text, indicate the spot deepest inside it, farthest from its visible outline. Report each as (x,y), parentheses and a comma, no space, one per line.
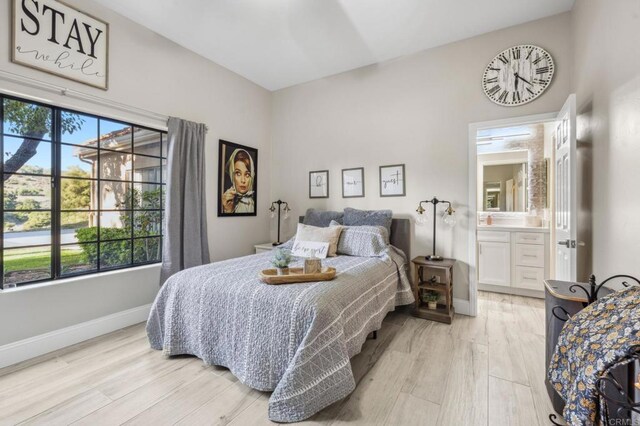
(329,235)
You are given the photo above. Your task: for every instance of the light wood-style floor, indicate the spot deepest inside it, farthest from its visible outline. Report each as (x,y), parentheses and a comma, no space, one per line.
(487,370)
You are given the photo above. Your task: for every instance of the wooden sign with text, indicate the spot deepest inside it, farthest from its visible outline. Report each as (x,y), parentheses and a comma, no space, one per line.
(53,37)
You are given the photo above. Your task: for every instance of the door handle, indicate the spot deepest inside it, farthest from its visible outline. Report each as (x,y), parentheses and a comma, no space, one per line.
(566,243)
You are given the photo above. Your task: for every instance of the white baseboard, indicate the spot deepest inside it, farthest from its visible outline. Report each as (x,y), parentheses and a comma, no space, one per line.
(511,290)
(32,347)
(461,306)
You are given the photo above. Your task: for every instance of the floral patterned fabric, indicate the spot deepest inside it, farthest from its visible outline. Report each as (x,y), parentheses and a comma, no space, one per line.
(592,342)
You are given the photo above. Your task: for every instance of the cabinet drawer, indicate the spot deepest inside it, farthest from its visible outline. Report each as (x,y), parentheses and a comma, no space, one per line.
(530,255)
(497,236)
(529,278)
(530,238)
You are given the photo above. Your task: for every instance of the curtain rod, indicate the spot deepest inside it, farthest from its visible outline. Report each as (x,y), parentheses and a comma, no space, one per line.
(64,91)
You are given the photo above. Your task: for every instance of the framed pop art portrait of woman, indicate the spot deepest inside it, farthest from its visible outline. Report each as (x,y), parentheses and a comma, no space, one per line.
(237,180)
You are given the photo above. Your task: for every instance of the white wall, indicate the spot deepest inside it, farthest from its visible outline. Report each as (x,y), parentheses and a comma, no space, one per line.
(607,84)
(413,110)
(151,72)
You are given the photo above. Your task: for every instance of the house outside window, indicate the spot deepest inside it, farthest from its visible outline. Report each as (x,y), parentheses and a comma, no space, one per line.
(82,193)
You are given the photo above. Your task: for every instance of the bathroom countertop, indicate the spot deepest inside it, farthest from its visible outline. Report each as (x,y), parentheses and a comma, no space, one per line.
(512,228)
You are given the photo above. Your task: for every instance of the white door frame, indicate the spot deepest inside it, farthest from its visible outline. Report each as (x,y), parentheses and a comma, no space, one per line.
(473,177)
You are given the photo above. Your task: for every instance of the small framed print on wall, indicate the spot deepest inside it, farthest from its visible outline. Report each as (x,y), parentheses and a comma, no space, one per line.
(353,182)
(319,184)
(392,181)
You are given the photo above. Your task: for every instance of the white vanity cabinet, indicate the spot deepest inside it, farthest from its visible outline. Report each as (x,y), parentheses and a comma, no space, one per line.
(494,258)
(513,259)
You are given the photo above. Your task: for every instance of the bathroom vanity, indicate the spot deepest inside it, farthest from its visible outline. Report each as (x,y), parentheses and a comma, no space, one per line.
(513,259)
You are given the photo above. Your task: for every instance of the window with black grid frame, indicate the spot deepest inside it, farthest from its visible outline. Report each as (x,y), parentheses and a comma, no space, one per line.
(81,193)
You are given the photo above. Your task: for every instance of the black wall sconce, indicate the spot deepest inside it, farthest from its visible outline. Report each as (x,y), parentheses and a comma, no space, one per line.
(279,206)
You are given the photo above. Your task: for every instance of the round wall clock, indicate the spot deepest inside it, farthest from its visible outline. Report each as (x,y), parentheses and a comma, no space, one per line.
(518,75)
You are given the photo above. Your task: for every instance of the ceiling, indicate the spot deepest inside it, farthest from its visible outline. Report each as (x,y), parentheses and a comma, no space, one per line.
(280,43)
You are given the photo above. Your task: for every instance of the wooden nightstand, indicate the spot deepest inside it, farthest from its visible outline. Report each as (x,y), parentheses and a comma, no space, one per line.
(430,275)
(261,248)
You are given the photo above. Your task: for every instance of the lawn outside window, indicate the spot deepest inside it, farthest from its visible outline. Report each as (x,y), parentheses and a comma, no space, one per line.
(81,193)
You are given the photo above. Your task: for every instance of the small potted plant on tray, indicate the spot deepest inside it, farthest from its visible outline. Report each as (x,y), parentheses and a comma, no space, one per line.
(281,260)
(431,297)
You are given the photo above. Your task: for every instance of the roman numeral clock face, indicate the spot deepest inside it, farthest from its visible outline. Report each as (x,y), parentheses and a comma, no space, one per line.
(518,75)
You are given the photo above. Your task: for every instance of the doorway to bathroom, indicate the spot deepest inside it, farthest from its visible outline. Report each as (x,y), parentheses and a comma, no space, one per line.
(511,196)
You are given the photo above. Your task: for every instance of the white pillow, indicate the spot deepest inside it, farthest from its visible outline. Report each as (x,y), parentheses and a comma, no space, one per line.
(329,235)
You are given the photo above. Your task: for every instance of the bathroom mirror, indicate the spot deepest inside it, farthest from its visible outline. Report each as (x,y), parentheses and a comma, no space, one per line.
(513,170)
(504,187)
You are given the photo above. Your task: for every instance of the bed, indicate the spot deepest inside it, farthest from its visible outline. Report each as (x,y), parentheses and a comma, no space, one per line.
(294,340)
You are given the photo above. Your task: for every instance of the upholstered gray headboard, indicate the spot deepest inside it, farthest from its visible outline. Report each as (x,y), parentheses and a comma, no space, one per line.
(400,235)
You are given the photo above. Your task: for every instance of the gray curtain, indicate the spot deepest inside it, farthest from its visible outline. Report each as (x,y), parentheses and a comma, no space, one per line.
(185,238)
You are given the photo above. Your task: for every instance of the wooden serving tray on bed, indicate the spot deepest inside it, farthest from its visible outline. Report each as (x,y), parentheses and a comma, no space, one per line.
(296,275)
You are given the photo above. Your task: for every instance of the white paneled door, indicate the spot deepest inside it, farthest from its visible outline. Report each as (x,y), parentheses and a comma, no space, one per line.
(565,188)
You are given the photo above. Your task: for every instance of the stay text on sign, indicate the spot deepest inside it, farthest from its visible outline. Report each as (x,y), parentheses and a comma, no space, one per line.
(51,36)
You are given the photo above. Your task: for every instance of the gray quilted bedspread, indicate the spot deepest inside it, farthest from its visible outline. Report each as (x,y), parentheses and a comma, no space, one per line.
(295,340)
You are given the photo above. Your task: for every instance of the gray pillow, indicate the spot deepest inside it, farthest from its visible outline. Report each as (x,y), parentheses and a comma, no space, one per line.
(354,217)
(363,241)
(321,218)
